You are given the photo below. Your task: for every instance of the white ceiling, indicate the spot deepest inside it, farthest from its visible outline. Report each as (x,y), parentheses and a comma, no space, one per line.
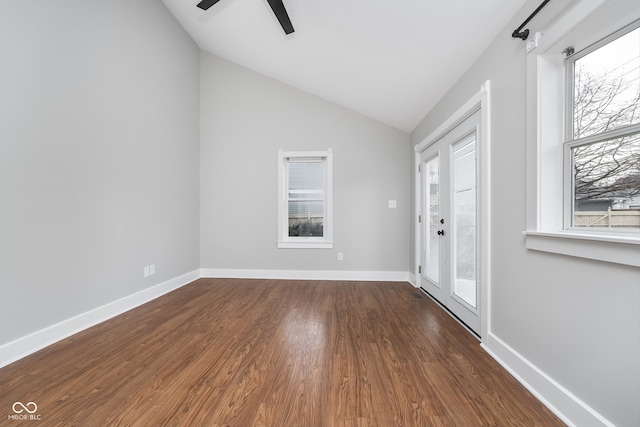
(390,60)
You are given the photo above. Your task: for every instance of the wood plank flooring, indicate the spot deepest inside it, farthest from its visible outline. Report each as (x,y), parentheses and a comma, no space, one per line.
(231,352)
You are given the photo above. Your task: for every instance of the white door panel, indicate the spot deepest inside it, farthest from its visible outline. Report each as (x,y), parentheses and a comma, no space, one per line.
(449,176)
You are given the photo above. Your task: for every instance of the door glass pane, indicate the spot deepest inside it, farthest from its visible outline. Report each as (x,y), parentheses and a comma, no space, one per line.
(432,220)
(464,220)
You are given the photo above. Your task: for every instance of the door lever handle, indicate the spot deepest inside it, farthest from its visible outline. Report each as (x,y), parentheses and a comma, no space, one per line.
(440,232)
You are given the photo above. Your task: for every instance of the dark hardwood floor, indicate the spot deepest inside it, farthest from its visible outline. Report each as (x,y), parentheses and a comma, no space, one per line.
(231,352)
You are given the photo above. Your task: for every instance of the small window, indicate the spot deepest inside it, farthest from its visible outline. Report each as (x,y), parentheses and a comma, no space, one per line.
(305,202)
(602,146)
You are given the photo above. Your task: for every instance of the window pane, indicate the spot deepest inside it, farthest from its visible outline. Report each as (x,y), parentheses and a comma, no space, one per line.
(306,175)
(607,87)
(306,218)
(607,183)
(306,198)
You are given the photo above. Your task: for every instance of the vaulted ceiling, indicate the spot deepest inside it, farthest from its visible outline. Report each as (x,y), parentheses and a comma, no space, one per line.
(389,60)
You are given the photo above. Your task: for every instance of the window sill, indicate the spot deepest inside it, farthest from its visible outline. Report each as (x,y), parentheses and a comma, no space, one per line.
(305,245)
(615,249)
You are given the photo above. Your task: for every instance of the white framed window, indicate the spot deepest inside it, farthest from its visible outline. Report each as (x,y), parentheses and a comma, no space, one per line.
(305,202)
(602,146)
(583,133)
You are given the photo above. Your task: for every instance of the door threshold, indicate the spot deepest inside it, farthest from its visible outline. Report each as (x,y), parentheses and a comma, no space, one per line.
(456,318)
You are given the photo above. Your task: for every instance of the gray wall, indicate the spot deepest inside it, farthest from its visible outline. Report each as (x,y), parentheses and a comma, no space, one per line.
(99,131)
(577,320)
(245,118)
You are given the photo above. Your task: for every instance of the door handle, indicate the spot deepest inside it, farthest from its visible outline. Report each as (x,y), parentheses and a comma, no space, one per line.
(440,232)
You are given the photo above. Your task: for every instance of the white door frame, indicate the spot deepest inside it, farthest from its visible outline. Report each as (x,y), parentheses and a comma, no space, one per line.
(479,101)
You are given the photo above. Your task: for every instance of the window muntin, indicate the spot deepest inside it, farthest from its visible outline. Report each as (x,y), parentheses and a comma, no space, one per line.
(305,202)
(603,143)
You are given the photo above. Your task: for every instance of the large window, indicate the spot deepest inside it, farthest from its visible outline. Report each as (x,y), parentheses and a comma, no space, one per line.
(583,131)
(602,149)
(305,202)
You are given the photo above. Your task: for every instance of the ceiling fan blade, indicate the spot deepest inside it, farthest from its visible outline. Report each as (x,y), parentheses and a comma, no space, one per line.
(281,13)
(206,4)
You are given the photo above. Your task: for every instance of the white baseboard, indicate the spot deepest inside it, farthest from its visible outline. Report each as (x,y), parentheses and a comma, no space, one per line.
(563,403)
(412,280)
(384,276)
(24,346)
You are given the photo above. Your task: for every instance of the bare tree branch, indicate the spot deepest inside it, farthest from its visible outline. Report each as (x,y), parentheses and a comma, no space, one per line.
(606,169)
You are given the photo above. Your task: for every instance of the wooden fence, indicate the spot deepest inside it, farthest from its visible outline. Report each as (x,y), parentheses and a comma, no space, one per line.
(627,218)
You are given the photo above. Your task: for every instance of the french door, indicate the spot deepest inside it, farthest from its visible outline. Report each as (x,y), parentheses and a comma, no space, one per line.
(449,218)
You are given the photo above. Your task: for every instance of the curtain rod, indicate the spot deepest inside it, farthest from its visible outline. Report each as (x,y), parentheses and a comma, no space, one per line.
(517,34)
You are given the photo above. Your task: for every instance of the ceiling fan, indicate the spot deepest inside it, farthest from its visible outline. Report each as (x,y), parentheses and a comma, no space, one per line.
(276,5)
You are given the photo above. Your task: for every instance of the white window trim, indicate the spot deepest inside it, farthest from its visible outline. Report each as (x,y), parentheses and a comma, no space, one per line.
(545,136)
(286,242)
